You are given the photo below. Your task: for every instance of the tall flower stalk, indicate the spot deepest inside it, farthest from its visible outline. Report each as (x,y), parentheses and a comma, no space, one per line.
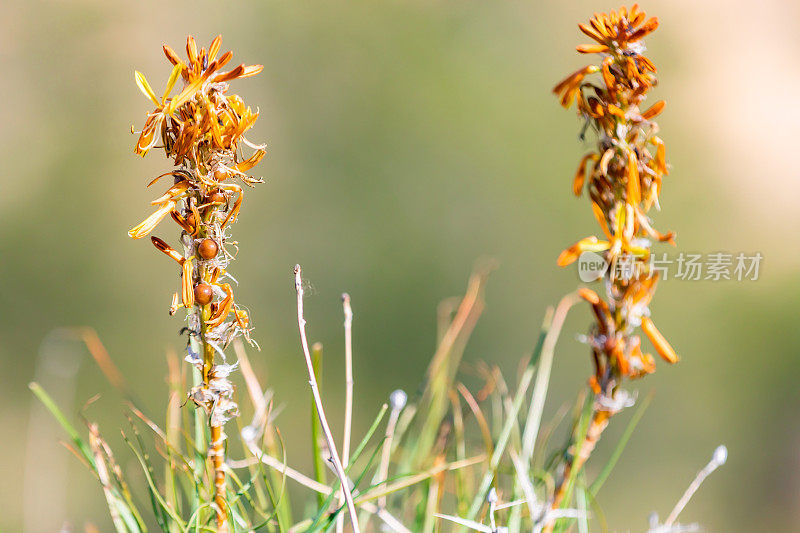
(622,175)
(201,129)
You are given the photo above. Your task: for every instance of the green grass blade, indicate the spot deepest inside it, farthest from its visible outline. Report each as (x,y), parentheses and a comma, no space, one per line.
(316,427)
(74,436)
(153,490)
(623,441)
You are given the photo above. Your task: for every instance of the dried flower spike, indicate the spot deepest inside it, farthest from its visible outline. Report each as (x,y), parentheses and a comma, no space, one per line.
(622,176)
(201,129)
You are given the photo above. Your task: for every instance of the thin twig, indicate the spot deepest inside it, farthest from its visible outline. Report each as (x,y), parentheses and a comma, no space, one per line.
(312,380)
(717,460)
(348,394)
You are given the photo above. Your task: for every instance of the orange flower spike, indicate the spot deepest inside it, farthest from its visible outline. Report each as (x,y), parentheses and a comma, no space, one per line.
(659,342)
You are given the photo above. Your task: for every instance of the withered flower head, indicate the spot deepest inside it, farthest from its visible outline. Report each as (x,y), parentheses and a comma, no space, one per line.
(201,129)
(622,176)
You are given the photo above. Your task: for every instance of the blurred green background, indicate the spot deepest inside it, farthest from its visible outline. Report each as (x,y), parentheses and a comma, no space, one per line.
(406,140)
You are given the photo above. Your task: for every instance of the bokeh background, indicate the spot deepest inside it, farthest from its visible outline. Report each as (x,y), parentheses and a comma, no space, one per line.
(406,140)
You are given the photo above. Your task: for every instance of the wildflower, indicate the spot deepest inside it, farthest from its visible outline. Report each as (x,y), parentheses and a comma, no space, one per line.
(202,129)
(622,175)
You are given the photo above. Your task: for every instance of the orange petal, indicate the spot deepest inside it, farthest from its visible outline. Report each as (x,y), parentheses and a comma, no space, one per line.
(601,219)
(605,160)
(161,246)
(633,187)
(591,32)
(224,308)
(608,77)
(187,289)
(589,295)
(654,110)
(659,342)
(171,55)
(213,48)
(572,253)
(191,49)
(252,161)
(251,70)
(592,48)
(149,224)
(646,28)
(622,361)
(580,174)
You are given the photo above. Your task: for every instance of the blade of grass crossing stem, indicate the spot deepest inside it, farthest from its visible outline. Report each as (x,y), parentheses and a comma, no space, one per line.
(582,429)
(583,521)
(499,449)
(159,504)
(316,427)
(598,516)
(511,421)
(160,517)
(353,458)
(594,488)
(280,502)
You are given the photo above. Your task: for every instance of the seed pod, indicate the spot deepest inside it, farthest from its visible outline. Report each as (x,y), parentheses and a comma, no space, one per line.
(208,249)
(220,175)
(203,293)
(216,197)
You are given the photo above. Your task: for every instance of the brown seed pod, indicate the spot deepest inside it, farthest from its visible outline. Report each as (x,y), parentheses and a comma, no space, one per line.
(203,293)
(208,249)
(220,175)
(216,197)
(190,219)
